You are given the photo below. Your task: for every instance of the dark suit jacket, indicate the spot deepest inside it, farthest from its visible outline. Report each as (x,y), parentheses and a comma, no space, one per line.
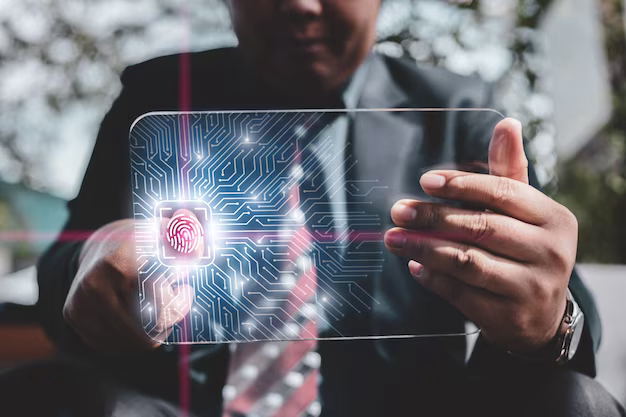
(359,377)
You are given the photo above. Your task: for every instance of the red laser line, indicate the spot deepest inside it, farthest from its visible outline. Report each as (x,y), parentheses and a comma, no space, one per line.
(264,237)
(184,105)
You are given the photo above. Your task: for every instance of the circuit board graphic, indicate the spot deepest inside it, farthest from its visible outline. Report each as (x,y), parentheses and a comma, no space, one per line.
(253,226)
(213,197)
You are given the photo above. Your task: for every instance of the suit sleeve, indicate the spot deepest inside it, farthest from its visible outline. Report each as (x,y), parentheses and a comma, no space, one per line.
(101,199)
(485,357)
(105,196)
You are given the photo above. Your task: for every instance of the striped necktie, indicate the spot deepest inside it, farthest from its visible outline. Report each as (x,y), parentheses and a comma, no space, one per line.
(279,379)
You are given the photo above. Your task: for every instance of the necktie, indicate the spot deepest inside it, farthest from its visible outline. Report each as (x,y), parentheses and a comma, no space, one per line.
(279,379)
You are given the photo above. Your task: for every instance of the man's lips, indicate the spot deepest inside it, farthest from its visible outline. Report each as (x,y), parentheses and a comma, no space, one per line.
(301,40)
(304,44)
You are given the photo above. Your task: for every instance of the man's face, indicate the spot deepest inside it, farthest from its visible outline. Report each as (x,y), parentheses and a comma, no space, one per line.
(305,47)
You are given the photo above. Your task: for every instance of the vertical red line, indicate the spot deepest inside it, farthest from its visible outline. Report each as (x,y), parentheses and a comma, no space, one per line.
(184,105)
(184,82)
(184,100)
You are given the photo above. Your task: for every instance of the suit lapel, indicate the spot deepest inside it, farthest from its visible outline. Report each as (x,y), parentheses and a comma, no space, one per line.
(390,148)
(382,140)
(384,145)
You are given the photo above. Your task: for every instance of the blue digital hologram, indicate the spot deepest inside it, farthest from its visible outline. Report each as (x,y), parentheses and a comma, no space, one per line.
(263,244)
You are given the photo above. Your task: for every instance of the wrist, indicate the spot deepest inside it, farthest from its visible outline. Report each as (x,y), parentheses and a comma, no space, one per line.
(570,331)
(563,345)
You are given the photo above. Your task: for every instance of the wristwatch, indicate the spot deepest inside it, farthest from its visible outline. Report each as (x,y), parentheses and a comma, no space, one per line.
(562,348)
(570,331)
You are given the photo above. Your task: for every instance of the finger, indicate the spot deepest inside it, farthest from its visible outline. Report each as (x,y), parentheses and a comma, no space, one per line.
(500,194)
(183,226)
(494,232)
(472,302)
(506,151)
(96,331)
(172,301)
(89,329)
(97,336)
(177,304)
(118,315)
(107,337)
(471,265)
(108,293)
(155,288)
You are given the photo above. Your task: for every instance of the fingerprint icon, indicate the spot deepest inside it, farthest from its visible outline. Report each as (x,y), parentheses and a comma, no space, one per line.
(184,233)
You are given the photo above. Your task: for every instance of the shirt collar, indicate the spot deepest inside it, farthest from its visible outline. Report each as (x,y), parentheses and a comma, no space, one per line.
(352,92)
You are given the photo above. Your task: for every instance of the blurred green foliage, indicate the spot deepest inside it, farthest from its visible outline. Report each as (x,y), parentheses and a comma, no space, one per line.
(593,185)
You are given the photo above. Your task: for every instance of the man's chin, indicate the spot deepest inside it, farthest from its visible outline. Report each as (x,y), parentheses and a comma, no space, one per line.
(307,81)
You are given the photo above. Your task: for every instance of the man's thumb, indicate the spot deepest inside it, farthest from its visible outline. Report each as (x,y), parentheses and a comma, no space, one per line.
(506,151)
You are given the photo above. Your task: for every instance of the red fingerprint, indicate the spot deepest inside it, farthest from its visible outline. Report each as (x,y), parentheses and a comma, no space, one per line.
(184,233)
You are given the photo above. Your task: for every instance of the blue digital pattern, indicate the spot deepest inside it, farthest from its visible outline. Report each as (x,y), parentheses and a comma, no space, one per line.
(242,166)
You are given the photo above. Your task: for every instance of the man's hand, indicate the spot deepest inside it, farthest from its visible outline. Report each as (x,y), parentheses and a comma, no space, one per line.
(103,304)
(505,268)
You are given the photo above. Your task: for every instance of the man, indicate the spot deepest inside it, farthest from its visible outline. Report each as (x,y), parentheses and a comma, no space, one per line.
(507,269)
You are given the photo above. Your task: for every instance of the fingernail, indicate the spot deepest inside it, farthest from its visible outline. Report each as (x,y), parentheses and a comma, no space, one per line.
(404,213)
(395,239)
(416,269)
(432,181)
(517,123)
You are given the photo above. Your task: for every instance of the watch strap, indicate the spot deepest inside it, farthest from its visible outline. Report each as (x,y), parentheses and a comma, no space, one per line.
(557,349)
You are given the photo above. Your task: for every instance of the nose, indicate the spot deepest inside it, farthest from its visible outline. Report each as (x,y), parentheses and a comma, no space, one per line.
(303,8)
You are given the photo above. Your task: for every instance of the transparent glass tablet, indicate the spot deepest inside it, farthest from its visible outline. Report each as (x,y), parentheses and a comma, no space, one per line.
(269,225)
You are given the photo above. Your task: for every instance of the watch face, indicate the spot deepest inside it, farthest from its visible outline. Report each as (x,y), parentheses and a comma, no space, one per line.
(577,329)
